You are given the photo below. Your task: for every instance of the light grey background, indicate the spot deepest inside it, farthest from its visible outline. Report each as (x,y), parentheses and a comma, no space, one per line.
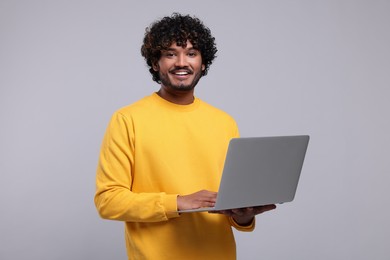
(284,67)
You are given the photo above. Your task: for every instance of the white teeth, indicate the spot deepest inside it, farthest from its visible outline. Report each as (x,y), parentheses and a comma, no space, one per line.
(181,73)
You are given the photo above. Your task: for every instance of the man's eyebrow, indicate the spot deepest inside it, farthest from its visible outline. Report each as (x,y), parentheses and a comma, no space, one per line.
(175,49)
(193,49)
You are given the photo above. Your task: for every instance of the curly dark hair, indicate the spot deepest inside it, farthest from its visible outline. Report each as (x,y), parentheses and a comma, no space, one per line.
(177,29)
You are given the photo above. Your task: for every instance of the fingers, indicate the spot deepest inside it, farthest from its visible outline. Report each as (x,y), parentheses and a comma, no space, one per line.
(200,199)
(205,198)
(265,208)
(249,211)
(206,195)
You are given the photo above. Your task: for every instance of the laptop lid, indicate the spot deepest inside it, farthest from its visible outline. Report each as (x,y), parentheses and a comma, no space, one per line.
(260,171)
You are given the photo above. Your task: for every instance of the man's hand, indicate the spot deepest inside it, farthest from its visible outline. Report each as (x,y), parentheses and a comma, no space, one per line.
(200,199)
(244,216)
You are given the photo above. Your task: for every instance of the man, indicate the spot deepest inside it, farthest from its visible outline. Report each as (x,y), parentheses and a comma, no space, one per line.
(166,153)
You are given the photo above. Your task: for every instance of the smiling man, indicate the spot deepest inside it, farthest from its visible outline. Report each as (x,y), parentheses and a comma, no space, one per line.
(179,68)
(180,64)
(166,152)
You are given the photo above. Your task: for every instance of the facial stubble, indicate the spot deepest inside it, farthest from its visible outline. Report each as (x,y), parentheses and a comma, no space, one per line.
(181,86)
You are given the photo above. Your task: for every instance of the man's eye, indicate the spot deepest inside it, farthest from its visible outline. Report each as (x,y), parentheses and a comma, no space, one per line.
(192,54)
(169,54)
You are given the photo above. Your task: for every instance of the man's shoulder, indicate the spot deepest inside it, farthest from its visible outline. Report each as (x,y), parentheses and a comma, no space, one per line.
(215,110)
(135,107)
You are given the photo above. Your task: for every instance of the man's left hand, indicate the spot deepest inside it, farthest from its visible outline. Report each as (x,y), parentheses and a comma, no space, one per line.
(244,216)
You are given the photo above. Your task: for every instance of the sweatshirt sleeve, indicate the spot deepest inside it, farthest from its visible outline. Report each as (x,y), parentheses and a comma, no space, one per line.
(114,198)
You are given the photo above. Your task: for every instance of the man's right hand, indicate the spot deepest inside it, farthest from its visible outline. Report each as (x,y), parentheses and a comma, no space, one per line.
(200,199)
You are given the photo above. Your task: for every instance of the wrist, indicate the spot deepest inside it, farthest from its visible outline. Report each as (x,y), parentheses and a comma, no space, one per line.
(243,221)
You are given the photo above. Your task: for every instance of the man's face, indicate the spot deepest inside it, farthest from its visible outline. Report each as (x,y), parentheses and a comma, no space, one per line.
(180,68)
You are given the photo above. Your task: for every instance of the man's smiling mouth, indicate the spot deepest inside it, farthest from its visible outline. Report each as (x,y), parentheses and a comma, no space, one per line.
(181,72)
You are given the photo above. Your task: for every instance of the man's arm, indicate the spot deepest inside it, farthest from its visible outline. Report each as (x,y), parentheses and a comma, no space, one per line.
(114,198)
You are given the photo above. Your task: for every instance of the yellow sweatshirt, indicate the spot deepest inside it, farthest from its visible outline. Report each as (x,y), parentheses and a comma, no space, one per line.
(153,151)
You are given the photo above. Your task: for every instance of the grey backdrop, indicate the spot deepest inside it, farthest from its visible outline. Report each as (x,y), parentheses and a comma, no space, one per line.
(284,67)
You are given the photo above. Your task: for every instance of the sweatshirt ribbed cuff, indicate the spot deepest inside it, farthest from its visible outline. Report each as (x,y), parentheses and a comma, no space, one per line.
(247,228)
(170,204)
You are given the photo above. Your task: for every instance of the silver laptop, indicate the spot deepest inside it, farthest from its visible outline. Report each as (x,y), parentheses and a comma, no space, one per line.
(260,171)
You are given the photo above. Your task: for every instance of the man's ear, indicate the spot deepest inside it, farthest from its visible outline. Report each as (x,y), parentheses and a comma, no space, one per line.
(155,66)
(203,67)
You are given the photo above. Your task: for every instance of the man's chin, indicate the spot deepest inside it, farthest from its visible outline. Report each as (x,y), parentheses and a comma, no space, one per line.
(183,88)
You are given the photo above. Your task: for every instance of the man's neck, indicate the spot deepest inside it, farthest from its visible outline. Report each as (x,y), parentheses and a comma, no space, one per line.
(176,96)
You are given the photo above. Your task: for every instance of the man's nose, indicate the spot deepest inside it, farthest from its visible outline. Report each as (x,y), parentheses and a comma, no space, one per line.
(181,60)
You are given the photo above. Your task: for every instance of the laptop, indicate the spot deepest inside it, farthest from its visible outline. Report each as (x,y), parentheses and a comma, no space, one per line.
(259,171)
